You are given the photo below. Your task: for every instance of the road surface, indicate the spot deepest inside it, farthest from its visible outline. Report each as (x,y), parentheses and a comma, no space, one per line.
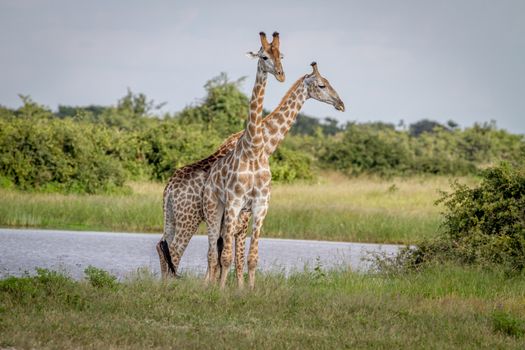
(123,253)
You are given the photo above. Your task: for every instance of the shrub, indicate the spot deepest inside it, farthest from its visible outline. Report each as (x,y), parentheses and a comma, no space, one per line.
(507,324)
(171,145)
(46,283)
(288,165)
(58,154)
(363,149)
(484,225)
(99,278)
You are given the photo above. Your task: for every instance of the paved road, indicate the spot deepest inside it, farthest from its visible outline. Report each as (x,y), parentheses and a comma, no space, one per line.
(123,253)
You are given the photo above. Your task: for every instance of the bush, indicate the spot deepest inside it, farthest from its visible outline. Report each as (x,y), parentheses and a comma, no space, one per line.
(99,278)
(288,165)
(364,149)
(45,283)
(373,148)
(507,324)
(170,145)
(484,225)
(52,154)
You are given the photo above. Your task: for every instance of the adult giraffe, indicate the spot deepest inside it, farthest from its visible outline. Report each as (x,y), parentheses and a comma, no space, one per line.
(182,195)
(239,182)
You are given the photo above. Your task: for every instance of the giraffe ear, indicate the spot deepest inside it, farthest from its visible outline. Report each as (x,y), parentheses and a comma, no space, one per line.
(252,54)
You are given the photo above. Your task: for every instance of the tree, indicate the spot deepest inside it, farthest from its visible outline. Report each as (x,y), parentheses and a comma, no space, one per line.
(224,109)
(424,125)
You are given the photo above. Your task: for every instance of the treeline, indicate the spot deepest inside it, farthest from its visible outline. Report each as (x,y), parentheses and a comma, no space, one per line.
(97,148)
(381,149)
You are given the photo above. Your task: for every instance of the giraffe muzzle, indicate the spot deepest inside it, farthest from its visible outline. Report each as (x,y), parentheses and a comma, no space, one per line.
(340,106)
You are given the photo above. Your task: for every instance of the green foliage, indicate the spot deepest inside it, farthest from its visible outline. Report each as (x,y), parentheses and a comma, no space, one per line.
(224,109)
(46,282)
(288,165)
(508,324)
(81,113)
(483,225)
(379,149)
(99,278)
(38,151)
(307,125)
(50,154)
(364,149)
(171,145)
(425,126)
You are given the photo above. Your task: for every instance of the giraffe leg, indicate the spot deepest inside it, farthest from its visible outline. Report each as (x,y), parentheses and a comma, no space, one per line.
(259,213)
(180,242)
(168,234)
(230,223)
(240,241)
(213,213)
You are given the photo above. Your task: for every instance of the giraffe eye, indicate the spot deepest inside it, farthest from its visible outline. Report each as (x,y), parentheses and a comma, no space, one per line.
(264,58)
(321,86)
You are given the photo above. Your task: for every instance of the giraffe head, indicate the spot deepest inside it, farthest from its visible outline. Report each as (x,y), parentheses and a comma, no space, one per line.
(320,89)
(269,56)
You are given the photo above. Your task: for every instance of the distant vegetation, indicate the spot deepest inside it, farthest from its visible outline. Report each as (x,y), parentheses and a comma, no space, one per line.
(95,149)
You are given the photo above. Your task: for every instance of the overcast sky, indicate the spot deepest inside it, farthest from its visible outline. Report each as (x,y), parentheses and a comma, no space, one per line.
(389,60)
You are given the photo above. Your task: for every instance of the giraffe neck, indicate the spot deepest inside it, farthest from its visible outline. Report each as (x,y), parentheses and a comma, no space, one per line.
(277,124)
(251,143)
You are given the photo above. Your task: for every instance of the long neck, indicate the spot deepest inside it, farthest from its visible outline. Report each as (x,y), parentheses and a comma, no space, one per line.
(251,143)
(277,124)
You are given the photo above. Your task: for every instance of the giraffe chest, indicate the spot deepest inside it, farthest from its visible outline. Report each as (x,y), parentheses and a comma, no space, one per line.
(246,183)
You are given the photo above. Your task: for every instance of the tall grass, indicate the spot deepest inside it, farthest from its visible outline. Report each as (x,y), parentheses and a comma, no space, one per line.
(444,307)
(361,210)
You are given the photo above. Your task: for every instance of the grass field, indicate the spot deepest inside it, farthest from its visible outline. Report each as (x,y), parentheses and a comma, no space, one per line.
(440,308)
(337,208)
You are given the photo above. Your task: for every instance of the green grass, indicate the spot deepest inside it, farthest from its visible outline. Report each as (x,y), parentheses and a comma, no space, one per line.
(339,209)
(439,308)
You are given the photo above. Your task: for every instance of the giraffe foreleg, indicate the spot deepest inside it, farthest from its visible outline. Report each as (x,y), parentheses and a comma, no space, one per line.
(213,214)
(230,224)
(240,242)
(259,213)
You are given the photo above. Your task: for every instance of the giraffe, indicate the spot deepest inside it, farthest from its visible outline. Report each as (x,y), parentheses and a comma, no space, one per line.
(182,195)
(239,183)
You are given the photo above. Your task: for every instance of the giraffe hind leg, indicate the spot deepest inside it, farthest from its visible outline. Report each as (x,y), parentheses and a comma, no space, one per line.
(166,265)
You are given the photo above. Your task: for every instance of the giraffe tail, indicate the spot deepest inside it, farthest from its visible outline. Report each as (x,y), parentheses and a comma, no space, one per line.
(220,242)
(220,247)
(167,256)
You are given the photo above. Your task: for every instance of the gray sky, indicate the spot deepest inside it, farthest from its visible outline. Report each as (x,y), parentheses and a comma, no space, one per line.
(389,60)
